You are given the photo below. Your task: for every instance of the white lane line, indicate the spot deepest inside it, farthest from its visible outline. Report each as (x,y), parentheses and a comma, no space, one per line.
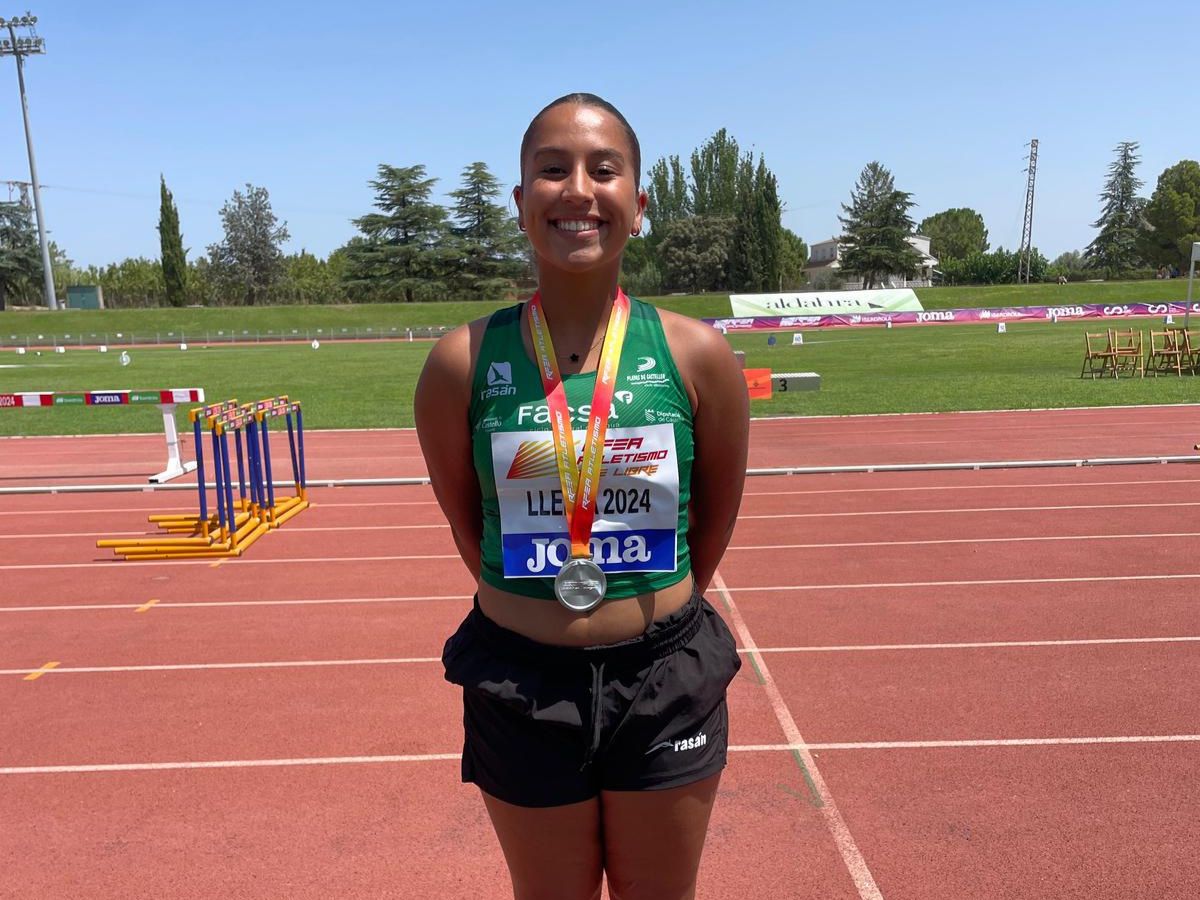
(907,584)
(293,530)
(978,645)
(996,486)
(817,546)
(200,604)
(851,855)
(74,534)
(417,660)
(980,540)
(455,757)
(229,764)
(985,742)
(355,528)
(186,667)
(333,601)
(236,561)
(1010,742)
(169,507)
(974,509)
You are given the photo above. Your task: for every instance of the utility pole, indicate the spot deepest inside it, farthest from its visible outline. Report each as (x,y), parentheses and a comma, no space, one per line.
(20,48)
(1025,255)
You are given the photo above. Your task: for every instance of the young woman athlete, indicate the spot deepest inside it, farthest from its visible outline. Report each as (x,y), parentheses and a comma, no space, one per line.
(583,430)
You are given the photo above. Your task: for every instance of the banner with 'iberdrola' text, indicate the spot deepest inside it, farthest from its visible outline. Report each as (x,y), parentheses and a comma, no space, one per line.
(826,303)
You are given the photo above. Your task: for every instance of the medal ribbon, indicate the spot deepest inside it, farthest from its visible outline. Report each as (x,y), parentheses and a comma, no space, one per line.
(580,481)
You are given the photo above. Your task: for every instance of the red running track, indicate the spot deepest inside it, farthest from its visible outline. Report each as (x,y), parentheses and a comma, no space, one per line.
(986,675)
(1137,431)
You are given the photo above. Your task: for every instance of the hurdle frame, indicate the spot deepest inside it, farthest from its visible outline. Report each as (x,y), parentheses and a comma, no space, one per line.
(166,399)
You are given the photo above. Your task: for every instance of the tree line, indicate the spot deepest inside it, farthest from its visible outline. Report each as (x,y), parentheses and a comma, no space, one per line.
(715,224)
(409,249)
(1137,237)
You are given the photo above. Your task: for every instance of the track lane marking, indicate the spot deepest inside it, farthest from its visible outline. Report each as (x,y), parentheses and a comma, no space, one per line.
(193,604)
(328,601)
(103,534)
(975,509)
(864,882)
(420,660)
(36,673)
(117,564)
(983,645)
(168,507)
(913,543)
(971,487)
(736,748)
(1083,579)
(186,667)
(979,540)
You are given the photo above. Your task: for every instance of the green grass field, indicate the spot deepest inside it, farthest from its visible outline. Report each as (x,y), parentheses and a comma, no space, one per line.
(370,384)
(273,322)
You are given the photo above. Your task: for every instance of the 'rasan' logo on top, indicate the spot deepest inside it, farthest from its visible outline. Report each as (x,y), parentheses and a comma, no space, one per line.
(499,381)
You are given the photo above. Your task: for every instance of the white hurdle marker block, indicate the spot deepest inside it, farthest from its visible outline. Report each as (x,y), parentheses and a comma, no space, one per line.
(795,381)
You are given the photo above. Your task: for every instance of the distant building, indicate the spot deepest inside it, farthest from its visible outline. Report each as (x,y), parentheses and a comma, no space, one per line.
(824,258)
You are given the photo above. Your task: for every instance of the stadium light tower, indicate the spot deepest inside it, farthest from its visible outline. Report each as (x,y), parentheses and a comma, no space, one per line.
(20,48)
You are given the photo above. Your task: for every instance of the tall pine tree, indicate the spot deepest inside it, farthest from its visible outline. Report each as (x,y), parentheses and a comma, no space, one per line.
(487,249)
(400,253)
(174,257)
(877,225)
(1115,249)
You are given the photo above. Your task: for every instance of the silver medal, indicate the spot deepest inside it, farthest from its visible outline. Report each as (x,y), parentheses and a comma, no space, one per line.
(580,585)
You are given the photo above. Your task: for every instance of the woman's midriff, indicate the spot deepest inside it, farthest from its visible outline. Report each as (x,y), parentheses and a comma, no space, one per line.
(549,622)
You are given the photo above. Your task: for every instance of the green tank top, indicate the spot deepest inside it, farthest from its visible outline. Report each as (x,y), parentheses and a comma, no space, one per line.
(639,537)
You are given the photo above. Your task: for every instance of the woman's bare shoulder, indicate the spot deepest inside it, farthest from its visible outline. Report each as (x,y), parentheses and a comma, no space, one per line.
(692,342)
(453,355)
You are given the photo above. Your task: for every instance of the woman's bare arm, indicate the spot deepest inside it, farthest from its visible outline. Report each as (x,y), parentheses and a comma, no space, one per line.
(721,433)
(441,406)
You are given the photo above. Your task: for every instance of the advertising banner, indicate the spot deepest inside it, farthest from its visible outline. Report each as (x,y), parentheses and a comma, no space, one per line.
(824,303)
(959,316)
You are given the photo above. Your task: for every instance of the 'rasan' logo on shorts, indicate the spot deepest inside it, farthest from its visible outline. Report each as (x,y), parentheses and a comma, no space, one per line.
(692,743)
(499,380)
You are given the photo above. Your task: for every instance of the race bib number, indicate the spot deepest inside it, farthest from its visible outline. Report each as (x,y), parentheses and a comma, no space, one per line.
(637,506)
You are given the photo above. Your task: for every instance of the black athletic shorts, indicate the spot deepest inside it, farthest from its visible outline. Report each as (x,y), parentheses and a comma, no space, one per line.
(547,725)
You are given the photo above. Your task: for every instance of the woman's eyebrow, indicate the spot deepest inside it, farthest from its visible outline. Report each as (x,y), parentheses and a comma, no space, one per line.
(560,151)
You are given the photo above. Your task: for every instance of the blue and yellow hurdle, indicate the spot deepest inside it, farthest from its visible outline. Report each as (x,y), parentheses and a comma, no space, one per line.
(234,524)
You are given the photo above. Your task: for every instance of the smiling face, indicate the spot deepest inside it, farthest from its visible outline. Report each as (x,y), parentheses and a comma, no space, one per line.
(579,201)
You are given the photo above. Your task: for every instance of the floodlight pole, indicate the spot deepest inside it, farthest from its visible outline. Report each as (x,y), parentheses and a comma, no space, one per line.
(1187,310)
(19,49)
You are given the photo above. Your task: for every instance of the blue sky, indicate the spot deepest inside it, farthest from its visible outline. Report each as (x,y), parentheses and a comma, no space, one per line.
(307,99)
